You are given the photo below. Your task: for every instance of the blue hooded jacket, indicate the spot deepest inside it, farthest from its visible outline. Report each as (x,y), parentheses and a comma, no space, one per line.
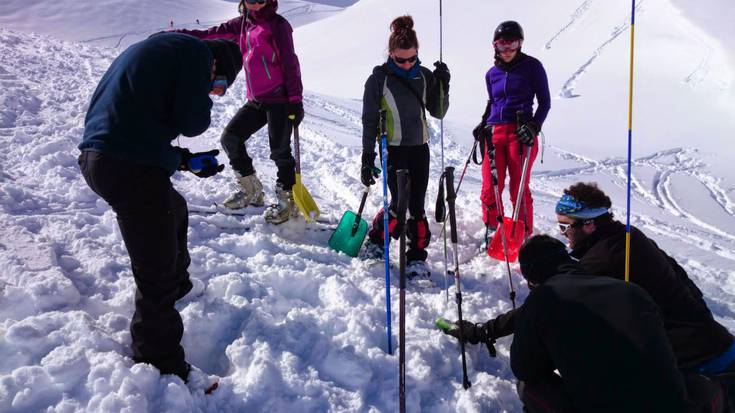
(153,92)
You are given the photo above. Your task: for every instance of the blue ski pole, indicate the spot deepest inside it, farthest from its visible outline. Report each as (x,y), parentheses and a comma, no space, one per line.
(386,234)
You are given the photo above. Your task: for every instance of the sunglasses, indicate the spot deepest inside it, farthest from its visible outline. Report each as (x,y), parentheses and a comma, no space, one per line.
(402,60)
(507,45)
(219,83)
(564,227)
(256,1)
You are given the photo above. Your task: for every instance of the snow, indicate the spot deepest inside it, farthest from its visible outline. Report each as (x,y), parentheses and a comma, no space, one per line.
(287,323)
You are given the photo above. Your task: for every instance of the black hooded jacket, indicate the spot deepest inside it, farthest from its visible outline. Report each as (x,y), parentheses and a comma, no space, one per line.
(605,337)
(694,334)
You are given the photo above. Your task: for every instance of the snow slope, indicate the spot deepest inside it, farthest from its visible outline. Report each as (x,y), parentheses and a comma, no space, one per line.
(287,323)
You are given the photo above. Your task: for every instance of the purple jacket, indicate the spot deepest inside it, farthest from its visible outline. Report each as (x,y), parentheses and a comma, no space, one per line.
(271,66)
(513,88)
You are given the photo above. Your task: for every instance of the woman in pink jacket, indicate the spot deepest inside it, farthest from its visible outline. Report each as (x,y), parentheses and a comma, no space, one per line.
(274,97)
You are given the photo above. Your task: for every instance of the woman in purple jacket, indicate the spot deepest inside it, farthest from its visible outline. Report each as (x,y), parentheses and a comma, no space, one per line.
(274,97)
(512,83)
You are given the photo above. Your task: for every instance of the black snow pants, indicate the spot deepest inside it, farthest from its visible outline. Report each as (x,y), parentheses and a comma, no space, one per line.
(153,220)
(250,119)
(416,160)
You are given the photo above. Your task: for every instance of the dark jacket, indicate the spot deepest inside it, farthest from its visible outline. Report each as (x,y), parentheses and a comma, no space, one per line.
(694,334)
(512,87)
(406,116)
(154,91)
(606,339)
(272,69)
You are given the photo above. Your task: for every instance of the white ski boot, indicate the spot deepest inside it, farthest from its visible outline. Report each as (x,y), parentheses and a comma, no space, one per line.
(283,209)
(249,192)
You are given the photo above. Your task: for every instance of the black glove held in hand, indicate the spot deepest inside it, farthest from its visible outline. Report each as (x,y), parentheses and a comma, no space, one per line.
(201,164)
(471,332)
(527,132)
(482,132)
(368,172)
(441,73)
(295,112)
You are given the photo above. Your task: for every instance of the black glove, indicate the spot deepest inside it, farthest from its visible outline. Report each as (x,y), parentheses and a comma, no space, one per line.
(527,132)
(441,73)
(483,132)
(471,332)
(201,164)
(295,112)
(368,172)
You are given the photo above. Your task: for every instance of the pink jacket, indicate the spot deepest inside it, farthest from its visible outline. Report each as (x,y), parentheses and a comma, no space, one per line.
(272,70)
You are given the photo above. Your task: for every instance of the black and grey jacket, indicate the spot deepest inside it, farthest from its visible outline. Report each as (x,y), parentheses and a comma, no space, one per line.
(406,117)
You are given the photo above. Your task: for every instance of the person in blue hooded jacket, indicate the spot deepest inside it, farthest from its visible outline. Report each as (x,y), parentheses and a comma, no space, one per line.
(153,92)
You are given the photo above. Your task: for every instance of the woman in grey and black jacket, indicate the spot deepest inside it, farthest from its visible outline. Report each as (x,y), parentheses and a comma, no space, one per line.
(406,90)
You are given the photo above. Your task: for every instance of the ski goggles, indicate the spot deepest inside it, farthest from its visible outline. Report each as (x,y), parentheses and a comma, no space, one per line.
(503,45)
(402,60)
(256,1)
(219,84)
(570,206)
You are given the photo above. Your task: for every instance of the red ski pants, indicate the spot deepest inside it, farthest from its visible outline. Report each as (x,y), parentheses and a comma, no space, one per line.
(507,158)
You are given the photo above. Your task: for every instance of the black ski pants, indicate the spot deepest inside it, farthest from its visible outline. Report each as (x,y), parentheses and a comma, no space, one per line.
(416,160)
(250,119)
(153,220)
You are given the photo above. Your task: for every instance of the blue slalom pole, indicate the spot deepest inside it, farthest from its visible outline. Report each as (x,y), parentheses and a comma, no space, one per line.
(386,232)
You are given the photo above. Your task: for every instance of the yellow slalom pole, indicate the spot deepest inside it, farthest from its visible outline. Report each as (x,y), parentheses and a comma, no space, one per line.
(630,141)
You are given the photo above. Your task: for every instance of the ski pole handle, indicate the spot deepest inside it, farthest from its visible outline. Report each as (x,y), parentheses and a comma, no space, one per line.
(451,197)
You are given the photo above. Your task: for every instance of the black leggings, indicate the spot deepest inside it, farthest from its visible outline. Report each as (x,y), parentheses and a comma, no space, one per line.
(250,119)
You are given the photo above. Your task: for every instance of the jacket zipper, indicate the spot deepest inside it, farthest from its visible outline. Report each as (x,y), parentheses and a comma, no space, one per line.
(267,72)
(505,90)
(247,61)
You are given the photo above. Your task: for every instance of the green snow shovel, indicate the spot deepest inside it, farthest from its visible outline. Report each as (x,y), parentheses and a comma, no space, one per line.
(351,231)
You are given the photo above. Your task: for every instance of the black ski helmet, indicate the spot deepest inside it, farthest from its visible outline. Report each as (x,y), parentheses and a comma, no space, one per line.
(508,30)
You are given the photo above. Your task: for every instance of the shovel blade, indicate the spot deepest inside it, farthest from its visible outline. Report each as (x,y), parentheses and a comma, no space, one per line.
(304,201)
(514,239)
(344,240)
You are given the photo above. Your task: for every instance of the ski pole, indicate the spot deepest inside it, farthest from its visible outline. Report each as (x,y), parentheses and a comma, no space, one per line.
(459,183)
(386,235)
(403,188)
(525,155)
(451,197)
(501,224)
(441,138)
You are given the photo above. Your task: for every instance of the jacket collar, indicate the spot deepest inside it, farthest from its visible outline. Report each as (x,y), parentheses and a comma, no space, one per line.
(502,65)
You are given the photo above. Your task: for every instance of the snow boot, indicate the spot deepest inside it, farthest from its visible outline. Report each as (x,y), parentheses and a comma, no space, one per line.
(283,209)
(373,251)
(249,192)
(418,273)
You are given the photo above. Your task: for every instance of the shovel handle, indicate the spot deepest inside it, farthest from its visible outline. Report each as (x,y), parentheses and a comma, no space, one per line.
(356,225)
(297,149)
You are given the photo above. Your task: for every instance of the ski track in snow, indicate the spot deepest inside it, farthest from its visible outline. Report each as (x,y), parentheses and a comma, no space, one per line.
(578,14)
(567,90)
(288,323)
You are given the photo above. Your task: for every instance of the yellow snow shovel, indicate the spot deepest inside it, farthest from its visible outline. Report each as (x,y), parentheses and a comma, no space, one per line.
(301,195)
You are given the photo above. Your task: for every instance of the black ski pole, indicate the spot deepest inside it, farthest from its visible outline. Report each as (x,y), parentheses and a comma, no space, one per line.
(404,183)
(501,226)
(451,197)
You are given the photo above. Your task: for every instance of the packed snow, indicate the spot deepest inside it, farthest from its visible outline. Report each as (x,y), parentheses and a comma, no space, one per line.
(285,322)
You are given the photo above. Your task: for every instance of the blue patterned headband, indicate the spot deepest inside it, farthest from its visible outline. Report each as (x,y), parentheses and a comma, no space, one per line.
(570,207)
